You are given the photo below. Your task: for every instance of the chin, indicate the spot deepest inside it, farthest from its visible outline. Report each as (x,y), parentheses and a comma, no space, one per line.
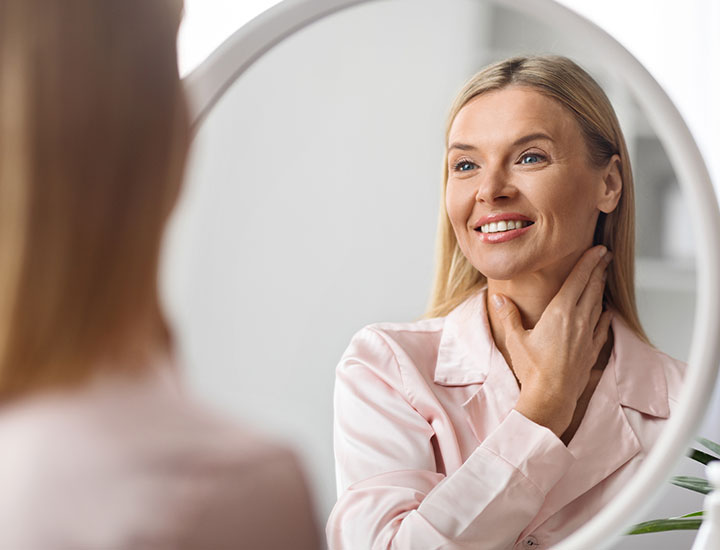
(500,270)
(499,275)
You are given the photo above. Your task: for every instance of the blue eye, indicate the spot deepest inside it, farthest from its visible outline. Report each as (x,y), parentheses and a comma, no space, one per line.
(531,158)
(464,166)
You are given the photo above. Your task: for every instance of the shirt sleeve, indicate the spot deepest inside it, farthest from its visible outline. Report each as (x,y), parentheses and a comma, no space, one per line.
(391,495)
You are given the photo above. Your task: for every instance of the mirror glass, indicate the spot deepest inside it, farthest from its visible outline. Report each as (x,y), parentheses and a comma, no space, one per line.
(311,201)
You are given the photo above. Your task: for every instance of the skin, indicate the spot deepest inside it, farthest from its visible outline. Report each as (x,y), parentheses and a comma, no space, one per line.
(545,286)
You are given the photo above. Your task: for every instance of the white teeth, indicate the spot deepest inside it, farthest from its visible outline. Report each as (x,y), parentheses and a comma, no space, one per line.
(498,227)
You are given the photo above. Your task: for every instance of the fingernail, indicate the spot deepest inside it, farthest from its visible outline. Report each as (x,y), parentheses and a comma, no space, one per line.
(604,276)
(497,301)
(603,250)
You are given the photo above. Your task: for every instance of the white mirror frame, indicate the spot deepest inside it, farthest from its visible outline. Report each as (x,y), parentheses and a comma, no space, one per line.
(206,85)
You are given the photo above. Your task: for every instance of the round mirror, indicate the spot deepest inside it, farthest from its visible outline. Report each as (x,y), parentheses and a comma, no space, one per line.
(312,197)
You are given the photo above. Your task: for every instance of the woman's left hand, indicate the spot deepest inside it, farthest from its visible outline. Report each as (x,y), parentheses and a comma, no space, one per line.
(552,361)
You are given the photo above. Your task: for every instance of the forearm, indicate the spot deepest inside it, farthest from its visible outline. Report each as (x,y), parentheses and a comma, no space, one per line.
(490,499)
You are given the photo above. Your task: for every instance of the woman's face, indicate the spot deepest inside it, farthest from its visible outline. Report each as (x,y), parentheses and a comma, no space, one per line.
(521,195)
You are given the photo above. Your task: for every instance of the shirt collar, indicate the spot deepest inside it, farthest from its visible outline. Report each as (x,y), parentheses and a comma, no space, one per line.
(466,350)
(466,345)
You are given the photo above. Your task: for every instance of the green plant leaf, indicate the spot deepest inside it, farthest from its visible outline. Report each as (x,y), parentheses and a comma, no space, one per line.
(670,524)
(694,514)
(714,447)
(697,484)
(701,456)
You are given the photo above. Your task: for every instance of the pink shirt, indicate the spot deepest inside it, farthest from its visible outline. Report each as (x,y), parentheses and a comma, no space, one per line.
(133,463)
(430,453)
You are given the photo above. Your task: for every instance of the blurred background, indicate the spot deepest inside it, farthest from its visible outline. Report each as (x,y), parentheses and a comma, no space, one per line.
(312,192)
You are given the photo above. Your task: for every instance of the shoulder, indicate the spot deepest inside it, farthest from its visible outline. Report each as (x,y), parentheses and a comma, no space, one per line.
(263,478)
(674,371)
(402,334)
(644,372)
(392,351)
(106,470)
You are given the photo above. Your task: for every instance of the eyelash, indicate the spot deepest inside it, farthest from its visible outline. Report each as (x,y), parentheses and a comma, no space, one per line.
(459,163)
(541,158)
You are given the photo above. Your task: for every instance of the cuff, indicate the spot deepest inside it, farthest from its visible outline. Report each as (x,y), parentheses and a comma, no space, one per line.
(532,449)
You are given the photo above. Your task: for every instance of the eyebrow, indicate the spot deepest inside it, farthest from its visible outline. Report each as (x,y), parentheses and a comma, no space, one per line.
(519,141)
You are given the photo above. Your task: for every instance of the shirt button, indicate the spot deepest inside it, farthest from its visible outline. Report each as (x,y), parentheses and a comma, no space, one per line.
(530,543)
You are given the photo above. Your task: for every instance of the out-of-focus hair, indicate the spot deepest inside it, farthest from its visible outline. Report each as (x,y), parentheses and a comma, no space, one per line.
(564,81)
(93,139)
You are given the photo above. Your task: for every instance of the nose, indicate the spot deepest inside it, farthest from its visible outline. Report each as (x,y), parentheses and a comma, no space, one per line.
(494,186)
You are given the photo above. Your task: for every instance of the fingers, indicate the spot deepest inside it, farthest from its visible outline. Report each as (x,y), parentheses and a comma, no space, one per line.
(590,303)
(508,313)
(574,286)
(601,331)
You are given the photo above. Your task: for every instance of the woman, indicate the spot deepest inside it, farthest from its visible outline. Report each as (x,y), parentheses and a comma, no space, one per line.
(531,395)
(101,447)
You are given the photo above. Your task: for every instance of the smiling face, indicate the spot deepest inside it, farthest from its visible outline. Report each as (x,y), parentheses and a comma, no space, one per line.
(522,195)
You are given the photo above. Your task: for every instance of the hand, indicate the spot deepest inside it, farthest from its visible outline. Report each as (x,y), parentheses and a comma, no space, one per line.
(553,360)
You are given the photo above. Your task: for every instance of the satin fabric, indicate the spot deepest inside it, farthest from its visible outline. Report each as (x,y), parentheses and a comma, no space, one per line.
(430,453)
(134,463)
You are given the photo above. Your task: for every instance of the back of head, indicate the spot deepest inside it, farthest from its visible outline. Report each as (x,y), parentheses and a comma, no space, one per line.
(93,140)
(562,80)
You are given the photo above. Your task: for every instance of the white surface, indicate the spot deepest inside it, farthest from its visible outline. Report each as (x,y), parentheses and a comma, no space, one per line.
(208,23)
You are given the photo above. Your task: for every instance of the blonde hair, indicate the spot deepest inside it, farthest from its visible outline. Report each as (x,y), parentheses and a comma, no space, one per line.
(93,139)
(564,81)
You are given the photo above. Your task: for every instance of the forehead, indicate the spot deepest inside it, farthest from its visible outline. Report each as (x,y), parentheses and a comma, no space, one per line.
(507,114)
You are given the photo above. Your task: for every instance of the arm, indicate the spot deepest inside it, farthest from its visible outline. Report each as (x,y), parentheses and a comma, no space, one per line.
(392,494)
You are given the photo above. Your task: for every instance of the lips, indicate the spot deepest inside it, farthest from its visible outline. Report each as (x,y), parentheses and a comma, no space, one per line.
(502,227)
(502,221)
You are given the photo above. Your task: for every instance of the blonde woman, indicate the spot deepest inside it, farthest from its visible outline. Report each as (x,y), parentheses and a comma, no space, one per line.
(530,395)
(100,447)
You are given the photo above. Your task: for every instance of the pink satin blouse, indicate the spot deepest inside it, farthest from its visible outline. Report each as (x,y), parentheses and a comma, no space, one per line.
(134,463)
(430,453)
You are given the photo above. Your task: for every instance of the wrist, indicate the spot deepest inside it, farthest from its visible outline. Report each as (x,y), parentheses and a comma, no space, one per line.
(554,413)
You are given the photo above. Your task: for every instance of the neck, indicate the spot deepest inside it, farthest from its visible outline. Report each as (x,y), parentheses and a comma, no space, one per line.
(531,293)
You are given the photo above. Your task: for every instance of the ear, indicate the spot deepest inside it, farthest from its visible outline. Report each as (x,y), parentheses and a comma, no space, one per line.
(611,188)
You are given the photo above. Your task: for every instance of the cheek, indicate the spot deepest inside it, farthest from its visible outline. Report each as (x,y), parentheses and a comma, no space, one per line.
(570,215)
(457,205)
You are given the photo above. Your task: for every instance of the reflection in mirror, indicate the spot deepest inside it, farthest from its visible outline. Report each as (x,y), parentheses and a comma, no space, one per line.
(312,197)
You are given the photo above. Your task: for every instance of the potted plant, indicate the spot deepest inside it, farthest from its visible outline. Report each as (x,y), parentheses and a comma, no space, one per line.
(692,520)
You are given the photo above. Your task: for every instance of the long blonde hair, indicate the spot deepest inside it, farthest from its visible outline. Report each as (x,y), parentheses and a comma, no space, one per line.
(93,139)
(564,81)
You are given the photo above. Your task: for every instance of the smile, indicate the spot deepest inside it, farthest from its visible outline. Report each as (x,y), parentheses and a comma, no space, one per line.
(502,226)
(503,231)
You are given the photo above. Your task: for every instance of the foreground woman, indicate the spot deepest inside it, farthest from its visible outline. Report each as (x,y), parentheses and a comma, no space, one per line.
(100,445)
(530,396)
